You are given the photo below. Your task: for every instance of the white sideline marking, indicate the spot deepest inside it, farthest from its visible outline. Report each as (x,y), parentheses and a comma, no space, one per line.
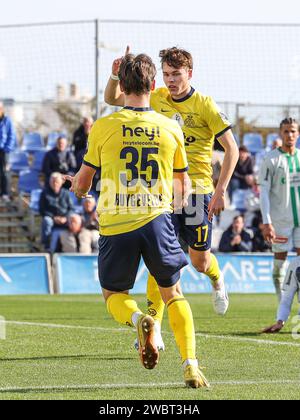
(250,340)
(209,336)
(75,327)
(143,385)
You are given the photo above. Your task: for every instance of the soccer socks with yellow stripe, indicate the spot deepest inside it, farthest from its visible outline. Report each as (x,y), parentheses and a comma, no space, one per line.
(214,271)
(122,307)
(182,324)
(156,305)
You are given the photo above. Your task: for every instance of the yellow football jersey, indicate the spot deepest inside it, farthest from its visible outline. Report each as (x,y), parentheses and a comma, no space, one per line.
(201,121)
(137,150)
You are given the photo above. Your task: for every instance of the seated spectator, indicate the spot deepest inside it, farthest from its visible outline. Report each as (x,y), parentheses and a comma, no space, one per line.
(276,143)
(236,238)
(259,243)
(77,239)
(55,206)
(90,215)
(243,176)
(8,141)
(59,160)
(80,138)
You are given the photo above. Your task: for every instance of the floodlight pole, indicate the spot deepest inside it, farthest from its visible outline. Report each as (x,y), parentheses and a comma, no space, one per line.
(97,67)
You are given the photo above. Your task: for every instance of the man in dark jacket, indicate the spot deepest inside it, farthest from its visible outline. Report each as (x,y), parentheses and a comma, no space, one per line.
(80,139)
(55,207)
(7,144)
(236,238)
(243,175)
(59,160)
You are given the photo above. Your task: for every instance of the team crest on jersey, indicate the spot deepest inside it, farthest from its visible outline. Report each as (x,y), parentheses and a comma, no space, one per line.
(177,117)
(190,122)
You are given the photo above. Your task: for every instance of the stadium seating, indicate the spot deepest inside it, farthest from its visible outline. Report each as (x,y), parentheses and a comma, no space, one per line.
(253,142)
(239,199)
(28,181)
(32,142)
(52,139)
(35,200)
(259,157)
(38,159)
(270,139)
(18,161)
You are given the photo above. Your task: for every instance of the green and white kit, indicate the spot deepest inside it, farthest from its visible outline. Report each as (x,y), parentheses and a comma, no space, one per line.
(279,180)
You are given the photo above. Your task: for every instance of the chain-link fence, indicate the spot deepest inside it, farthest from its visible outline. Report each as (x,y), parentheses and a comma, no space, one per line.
(53,74)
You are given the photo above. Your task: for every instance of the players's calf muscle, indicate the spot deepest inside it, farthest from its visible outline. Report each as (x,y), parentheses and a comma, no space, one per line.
(168,293)
(200,260)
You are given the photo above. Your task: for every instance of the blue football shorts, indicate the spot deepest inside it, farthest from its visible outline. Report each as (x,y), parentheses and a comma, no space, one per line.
(156,242)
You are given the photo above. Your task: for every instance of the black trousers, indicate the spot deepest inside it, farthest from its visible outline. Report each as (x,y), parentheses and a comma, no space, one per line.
(3,176)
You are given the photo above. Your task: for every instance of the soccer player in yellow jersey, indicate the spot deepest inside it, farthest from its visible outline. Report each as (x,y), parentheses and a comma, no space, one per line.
(140,153)
(201,122)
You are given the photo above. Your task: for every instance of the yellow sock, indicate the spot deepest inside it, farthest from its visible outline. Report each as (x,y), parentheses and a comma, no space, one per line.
(122,307)
(156,305)
(214,270)
(182,324)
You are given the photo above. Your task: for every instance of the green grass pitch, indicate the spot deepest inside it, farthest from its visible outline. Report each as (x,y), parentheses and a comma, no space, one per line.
(68,347)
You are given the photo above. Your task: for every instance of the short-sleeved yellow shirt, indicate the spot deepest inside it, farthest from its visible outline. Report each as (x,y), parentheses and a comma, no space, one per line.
(137,150)
(201,121)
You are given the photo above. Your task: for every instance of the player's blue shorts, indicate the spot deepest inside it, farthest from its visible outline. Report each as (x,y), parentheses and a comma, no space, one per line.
(193,224)
(156,242)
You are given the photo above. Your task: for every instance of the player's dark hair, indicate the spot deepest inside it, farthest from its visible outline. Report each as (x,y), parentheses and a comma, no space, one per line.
(289,121)
(176,57)
(137,74)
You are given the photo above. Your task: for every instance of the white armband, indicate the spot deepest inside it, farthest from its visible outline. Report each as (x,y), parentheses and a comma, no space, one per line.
(114,77)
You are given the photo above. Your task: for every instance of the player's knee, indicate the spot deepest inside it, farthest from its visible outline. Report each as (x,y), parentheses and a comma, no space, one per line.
(201,266)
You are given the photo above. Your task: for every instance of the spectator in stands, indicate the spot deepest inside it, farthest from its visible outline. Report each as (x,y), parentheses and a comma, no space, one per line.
(80,138)
(89,214)
(243,176)
(236,238)
(59,160)
(276,143)
(258,242)
(77,239)
(79,146)
(8,142)
(55,206)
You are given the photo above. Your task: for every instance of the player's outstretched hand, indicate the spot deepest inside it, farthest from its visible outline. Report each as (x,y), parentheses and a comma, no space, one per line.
(117,62)
(273,329)
(269,233)
(216,205)
(73,189)
(70,179)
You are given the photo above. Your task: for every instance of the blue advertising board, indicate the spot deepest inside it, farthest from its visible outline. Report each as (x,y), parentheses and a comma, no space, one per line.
(244,273)
(76,273)
(25,274)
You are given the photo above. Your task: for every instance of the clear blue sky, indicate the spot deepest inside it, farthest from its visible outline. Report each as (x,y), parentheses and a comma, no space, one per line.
(276,11)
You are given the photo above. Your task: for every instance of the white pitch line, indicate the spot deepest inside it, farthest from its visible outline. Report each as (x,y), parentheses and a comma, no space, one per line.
(75,327)
(207,336)
(142,385)
(250,340)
